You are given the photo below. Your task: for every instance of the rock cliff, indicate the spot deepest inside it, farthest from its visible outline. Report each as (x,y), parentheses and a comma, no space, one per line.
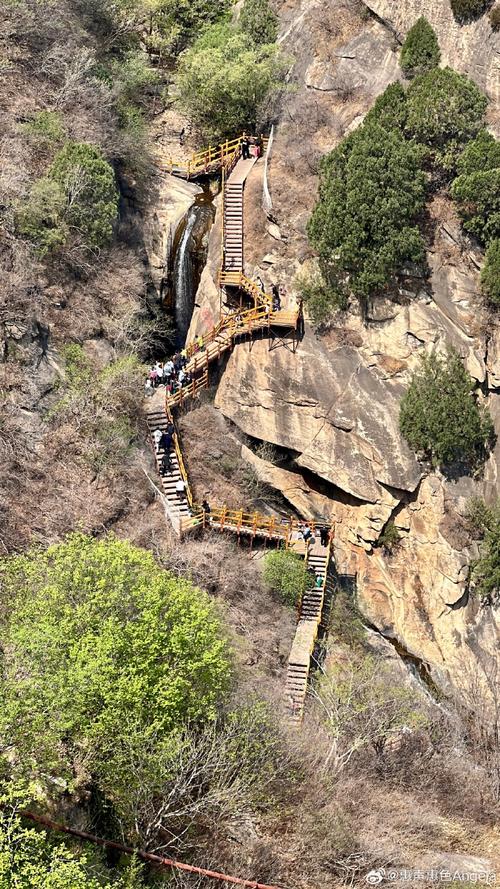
(333,404)
(472,49)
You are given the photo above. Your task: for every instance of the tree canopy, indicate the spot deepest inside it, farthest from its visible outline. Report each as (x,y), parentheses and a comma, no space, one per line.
(224,79)
(420,51)
(371,191)
(102,646)
(439,415)
(259,21)
(76,200)
(285,572)
(477,187)
(445,110)
(467,10)
(390,108)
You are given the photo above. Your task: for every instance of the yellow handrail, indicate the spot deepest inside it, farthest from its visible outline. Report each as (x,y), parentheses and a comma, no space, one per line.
(213,157)
(187,391)
(180,459)
(223,155)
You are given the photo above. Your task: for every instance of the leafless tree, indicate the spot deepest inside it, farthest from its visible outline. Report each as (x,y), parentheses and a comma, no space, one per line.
(360,706)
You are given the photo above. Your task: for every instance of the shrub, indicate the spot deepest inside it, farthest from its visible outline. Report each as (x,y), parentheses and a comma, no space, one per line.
(259,21)
(105,405)
(102,645)
(390,109)
(46,128)
(132,75)
(445,110)
(467,10)
(479,516)
(223,80)
(285,573)
(420,51)
(320,299)
(495,18)
(439,416)
(362,707)
(486,570)
(482,153)
(31,858)
(477,188)
(77,201)
(363,226)
(88,182)
(345,622)
(389,537)
(41,219)
(490,274)
(478,196)
(177,22)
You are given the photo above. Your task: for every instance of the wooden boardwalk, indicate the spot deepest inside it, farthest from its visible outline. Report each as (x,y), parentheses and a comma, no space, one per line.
(310,614)
(185,515)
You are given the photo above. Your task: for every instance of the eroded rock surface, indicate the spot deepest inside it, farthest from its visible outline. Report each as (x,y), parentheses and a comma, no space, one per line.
(473,49)
(169,205)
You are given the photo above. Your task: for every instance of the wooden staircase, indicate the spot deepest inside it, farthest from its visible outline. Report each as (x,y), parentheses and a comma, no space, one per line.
(310,612)
(221,338)
(186,516)
(233,225)
(178,511)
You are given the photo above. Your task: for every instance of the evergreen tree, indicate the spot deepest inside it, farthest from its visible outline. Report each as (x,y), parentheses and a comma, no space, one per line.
(364,224)
(468,10)
(390,108)
(477,188)
(76,201)
(445,111)
(490,274)
(439,415)
(420,51)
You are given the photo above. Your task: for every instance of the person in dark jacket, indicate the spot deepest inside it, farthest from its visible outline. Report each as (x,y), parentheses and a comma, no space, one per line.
(245,147)
(166,464)
(165,442)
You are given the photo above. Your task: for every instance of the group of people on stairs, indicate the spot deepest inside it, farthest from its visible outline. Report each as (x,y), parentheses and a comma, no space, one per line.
(172,373)
(164,440)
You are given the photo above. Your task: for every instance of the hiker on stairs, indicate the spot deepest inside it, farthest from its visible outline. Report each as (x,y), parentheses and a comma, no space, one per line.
(165,442)
(276,298)
(245,147)
(324,535)
(166,464)
(206,512)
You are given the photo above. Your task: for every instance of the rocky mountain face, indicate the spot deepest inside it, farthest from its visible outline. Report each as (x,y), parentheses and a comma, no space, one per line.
(472,49)
(333,404)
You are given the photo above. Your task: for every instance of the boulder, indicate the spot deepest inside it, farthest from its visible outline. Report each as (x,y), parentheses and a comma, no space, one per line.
(339,417)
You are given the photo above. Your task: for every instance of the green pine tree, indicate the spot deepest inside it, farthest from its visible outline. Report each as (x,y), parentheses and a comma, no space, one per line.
(420,51)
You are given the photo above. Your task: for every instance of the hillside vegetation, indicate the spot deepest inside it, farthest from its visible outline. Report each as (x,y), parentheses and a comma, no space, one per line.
(141,679)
